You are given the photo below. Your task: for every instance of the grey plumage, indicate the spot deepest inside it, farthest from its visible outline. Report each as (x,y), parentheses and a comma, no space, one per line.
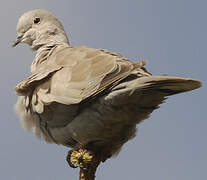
(80,95)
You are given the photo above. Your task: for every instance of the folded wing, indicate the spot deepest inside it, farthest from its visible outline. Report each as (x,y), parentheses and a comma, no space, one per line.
(74,74)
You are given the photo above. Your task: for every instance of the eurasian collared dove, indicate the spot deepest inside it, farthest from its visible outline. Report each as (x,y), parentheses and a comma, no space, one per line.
(85,96)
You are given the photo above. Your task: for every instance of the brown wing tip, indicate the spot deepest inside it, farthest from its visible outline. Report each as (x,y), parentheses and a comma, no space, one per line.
(195,84)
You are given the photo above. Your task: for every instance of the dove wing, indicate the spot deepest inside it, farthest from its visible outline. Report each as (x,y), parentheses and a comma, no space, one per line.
(74,74)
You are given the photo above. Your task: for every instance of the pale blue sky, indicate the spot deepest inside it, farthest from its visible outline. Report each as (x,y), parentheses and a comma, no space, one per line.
(170,34)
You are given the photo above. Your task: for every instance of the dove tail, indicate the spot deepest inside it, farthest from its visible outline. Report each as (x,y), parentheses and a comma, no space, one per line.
(151,91)
(169,85)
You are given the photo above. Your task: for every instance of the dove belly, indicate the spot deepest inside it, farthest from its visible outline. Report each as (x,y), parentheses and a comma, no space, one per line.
(98,123)
(109,120)
(106,122)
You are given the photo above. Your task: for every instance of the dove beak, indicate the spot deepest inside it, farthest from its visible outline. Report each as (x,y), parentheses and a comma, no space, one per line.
(18,40)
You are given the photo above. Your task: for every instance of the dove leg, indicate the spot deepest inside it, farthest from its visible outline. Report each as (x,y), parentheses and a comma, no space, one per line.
(68,159)
(88,161)
(69,155)
(79,156)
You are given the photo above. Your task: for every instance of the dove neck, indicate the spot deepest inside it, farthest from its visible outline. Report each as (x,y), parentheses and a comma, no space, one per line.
(53,36)
(38,46)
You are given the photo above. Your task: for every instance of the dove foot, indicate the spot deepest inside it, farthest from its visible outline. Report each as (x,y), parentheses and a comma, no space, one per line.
(79,157)
(86,160)
(68,159)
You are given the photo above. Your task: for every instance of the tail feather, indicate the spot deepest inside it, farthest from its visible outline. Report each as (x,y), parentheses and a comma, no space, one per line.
(150,91)
(143,95)
(166,84)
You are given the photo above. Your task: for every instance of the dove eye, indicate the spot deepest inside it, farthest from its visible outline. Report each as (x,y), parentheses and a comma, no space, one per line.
(36,20)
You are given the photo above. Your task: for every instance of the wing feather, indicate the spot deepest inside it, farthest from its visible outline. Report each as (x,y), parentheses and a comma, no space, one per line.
(73,74)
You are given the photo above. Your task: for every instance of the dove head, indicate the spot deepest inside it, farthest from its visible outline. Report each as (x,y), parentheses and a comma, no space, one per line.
(40,28)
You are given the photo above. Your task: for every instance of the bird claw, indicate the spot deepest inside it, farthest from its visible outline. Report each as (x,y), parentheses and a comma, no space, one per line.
(79,158)
(68,159)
